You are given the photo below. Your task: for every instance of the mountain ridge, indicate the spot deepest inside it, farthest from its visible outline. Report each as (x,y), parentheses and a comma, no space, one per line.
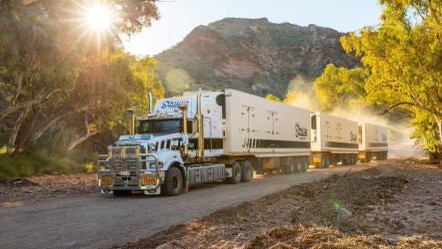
(252,55)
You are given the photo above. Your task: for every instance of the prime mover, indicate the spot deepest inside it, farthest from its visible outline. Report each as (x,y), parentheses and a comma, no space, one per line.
(206,136)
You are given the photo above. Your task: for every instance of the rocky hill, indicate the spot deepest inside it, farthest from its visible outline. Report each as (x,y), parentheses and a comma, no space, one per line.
(252,55)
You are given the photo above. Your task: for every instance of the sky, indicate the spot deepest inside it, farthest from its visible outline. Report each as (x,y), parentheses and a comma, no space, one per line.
(179,17)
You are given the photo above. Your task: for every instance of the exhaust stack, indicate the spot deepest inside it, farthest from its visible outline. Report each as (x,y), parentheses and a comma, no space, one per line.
(150,99)
(200,120)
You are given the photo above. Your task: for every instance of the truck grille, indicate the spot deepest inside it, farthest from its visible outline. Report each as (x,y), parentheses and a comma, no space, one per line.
(127,165)
(124,165)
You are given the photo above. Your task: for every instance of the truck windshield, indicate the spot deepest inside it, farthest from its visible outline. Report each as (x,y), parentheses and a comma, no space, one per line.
(159,126)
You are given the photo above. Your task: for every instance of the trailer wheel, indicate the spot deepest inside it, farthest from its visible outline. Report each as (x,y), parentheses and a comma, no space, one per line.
(295,166)
(300,165)
(247,173)
(325,161)
(305,164)
(236,173)
(292,167)
(173,184)
(355,159)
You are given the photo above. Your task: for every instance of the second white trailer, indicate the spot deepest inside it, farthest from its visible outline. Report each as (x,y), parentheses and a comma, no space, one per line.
(334,140)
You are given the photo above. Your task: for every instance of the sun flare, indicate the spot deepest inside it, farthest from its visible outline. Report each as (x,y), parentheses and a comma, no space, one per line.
(99,17)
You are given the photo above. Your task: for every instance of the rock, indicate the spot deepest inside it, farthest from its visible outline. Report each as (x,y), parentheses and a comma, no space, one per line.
(344,213)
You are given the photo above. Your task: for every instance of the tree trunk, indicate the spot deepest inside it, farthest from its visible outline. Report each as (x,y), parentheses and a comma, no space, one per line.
(439,127)
(15,129)
(73,144)
(83,138)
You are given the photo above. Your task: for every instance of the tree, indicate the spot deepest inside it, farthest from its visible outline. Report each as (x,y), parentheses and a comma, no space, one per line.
(55,76)
(273,98)
(425,132)
(404,55)
(340,87)
(105,89)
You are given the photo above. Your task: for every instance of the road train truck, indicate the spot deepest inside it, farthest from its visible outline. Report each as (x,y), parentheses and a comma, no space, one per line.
(334,140)
(373,142)
(206,136)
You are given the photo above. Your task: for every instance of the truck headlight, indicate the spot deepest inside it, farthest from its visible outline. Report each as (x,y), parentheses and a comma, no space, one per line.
(103,166)
(151,147)
(160,165)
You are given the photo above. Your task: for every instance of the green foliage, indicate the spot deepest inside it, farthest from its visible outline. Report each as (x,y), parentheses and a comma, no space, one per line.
(403,55)
(42,162)
(61,83)
(143,70)
(273,98)
(425,132)
(340,87)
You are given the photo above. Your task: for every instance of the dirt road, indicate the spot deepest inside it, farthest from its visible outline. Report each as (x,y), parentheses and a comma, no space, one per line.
(98,221)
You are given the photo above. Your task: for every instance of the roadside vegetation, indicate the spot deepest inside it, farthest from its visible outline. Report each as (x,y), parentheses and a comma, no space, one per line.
(67,87)
(400,71)
(42,162)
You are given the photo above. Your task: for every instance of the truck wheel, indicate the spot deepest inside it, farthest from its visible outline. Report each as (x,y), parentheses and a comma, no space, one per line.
(173,184)
(291,168)
(325,161)
(246,173)
(236,173)
(294,166)
(300,165)
(355,159)
(305,164)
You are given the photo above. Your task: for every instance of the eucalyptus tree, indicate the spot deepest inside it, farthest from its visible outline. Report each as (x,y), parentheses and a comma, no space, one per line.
(403,56)
(340,88)
(61,69)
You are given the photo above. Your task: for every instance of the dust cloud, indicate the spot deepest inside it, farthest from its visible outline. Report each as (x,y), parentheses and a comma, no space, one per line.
(400,145)
(300,94)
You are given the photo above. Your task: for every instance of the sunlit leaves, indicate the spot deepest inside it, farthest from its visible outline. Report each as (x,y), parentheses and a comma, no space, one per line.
(337,87)
(404,56)
(55,79)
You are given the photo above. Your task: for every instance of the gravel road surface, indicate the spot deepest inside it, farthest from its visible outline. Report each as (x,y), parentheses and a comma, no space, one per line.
(102,221)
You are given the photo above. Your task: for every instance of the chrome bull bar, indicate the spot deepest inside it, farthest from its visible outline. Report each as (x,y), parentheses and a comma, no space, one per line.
(126,169)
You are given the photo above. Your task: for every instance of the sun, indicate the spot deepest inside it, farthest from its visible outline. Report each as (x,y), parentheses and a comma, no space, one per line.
(99,17)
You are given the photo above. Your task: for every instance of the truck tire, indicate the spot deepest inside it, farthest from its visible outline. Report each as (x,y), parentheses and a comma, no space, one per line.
(299,165)
(246,171)
(173,183)
(354,159)
(291,168)
(236,173)
(305,164)
(325,162)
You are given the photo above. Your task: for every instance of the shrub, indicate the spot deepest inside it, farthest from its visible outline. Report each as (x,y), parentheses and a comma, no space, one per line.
(42,162)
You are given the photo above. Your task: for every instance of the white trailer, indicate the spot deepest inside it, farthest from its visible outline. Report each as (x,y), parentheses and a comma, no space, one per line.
(334,140)
(275,136)
(373,142)
(207,136)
